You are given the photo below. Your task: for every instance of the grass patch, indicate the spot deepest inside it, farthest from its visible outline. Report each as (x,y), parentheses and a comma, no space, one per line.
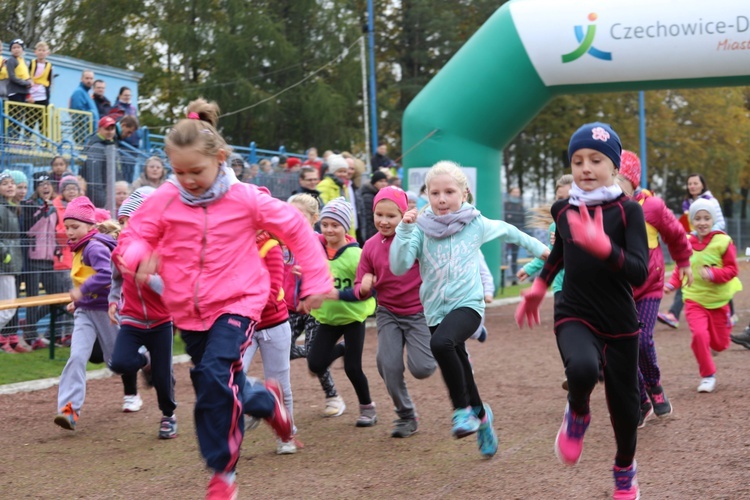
(37,365)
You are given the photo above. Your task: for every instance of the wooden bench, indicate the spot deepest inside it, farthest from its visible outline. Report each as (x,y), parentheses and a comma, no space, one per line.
(54,301)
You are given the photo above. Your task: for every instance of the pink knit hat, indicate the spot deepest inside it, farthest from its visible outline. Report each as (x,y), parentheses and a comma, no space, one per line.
(81,209)
(630,167)
(395,194)
(102,215)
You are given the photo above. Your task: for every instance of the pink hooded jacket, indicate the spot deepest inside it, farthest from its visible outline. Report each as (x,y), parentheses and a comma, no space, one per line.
(208,256)
(663,221)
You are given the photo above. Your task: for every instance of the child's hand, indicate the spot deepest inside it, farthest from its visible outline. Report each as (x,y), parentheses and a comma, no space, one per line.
(297,270)
(488,299)
(668,288)
(71,307)
(522,274)
(311,302)
(410,217)
(113,313)
(368,280)
(686,272)
(332,295)
(588,233)
(147,268)
(75,294)
(545,254)
(706,273)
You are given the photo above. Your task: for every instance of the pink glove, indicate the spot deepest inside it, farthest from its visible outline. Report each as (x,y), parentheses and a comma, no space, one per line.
(588,234)
(134,253)
(531,299)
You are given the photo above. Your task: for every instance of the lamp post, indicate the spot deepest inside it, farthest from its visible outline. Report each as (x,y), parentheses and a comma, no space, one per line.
(373,99)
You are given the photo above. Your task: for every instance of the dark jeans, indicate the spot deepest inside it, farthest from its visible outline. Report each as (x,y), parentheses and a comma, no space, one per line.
(585,355)
(324,350)
(448,345)
(127,360)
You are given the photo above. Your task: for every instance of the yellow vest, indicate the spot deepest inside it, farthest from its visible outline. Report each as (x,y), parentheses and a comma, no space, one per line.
(267,246)
(44,78)
(80,272)
(711,295)
(651,232)
(22,71)
(4,69)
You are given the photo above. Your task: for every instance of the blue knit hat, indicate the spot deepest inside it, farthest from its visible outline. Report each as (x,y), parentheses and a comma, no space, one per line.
(598,136)
(19,177)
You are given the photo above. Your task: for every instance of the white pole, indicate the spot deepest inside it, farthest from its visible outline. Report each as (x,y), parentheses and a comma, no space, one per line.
(363,58)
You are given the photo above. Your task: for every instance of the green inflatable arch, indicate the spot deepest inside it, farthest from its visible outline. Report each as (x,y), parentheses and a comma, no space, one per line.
(529,51)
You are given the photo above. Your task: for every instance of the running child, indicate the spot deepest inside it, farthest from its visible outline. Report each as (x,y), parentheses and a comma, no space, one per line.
(305,323)
(202,225)
(345,315)
(714,265)
(596,322)
(144,321)
(660,221)
(399,313)
(445,239)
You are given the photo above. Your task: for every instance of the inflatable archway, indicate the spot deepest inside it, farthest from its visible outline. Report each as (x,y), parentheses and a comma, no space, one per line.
(529,51)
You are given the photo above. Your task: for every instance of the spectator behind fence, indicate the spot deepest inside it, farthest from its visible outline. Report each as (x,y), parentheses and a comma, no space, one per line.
(103,105)
(332,184)
(22,187)
(122,191)
(11,262)
(80,100)
(39,223)
(378,181)
(154,174)
(123,103)
(308,180)
(380,159)
(3,75)
(515,215)
(40,71)
(237,164)
(19,80)
(94,170)
(313,160)
(59,170)
(69,189)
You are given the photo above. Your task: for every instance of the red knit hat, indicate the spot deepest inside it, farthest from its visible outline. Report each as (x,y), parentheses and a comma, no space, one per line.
(81,209)
(630,167)
(393,193)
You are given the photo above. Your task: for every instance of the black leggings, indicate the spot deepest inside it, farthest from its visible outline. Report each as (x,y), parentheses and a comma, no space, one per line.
(449,348)
(585,355)
(323,351)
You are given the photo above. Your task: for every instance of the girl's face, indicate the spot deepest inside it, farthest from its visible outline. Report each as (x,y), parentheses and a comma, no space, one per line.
(694,186)
(195,171)
(71,192)
(312,218)
(58,166)
(333,232)
(592,169)
(342,173)
(387,216)
(563,192)
(21,190)
(411,204)
(702,223)
(121,194)
(75,229)
(8,188)
(44,190)
(445,194)
(154,170)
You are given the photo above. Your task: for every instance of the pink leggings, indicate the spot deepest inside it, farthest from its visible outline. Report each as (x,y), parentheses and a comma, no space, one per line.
(710,329)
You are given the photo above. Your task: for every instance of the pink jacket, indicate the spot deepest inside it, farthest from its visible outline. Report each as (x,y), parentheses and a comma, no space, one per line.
(208,256)
(662,221)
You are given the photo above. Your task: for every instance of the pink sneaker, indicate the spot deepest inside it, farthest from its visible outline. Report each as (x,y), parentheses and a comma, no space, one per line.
(280,421)
(626,483)
(218,489)
(668,319)
(569,441)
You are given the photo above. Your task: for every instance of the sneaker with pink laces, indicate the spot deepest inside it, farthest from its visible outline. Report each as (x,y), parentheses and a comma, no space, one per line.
(569,441)
(662,406)
(626,483)
(219,489)
(280,421)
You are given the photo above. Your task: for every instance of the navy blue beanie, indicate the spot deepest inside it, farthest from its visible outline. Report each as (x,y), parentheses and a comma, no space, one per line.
(598,136)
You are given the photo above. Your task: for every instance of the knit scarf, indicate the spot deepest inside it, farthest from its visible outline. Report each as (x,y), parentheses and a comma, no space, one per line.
(218,189)
(595,197)
(442,226)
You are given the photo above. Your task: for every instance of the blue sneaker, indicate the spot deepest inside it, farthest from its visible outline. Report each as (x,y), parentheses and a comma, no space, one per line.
(465,422)
(482,335)
(486,435)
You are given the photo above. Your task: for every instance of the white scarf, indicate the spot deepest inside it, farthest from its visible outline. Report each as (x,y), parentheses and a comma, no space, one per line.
(597,196)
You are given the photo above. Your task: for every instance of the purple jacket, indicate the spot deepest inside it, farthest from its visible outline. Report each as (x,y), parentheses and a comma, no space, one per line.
(97,255)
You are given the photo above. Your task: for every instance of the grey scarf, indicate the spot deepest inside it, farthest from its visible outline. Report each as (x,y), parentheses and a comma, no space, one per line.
(442,226)
(218,189)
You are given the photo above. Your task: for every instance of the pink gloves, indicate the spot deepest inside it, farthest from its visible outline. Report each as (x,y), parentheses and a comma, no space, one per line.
(134,253)
(588,234)
(531,299)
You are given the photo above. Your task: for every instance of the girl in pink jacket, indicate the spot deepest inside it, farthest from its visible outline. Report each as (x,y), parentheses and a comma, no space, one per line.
(660,222)
(201,225)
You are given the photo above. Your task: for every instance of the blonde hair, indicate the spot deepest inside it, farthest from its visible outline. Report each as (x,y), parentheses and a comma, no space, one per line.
(306,203)
(110,227)
(123,183)
(565,180)
(540,217)
(200,133)
(448,168)
(82,185)
(41,45)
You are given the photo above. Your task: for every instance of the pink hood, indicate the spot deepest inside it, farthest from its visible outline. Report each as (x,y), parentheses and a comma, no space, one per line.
(208,256)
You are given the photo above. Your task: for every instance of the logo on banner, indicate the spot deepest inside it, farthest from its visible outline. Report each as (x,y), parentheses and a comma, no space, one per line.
(586,43)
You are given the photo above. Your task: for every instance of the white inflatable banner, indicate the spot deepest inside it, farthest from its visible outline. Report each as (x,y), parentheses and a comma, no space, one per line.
(584,41)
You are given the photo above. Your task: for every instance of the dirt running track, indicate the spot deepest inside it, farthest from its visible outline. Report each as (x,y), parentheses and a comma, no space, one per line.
(701,451)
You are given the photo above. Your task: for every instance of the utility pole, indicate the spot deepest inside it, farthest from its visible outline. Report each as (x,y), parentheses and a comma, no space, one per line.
(373,99)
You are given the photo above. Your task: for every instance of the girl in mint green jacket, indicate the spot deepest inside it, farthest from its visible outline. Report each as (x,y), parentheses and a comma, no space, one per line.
(445,239)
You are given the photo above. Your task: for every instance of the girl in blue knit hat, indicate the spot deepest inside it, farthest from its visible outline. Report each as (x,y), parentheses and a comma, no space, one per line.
(600,240)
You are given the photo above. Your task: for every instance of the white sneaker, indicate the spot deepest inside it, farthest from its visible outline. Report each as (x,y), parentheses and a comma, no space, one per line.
(335,406)
(708,384)
(132,403)
(286,448)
